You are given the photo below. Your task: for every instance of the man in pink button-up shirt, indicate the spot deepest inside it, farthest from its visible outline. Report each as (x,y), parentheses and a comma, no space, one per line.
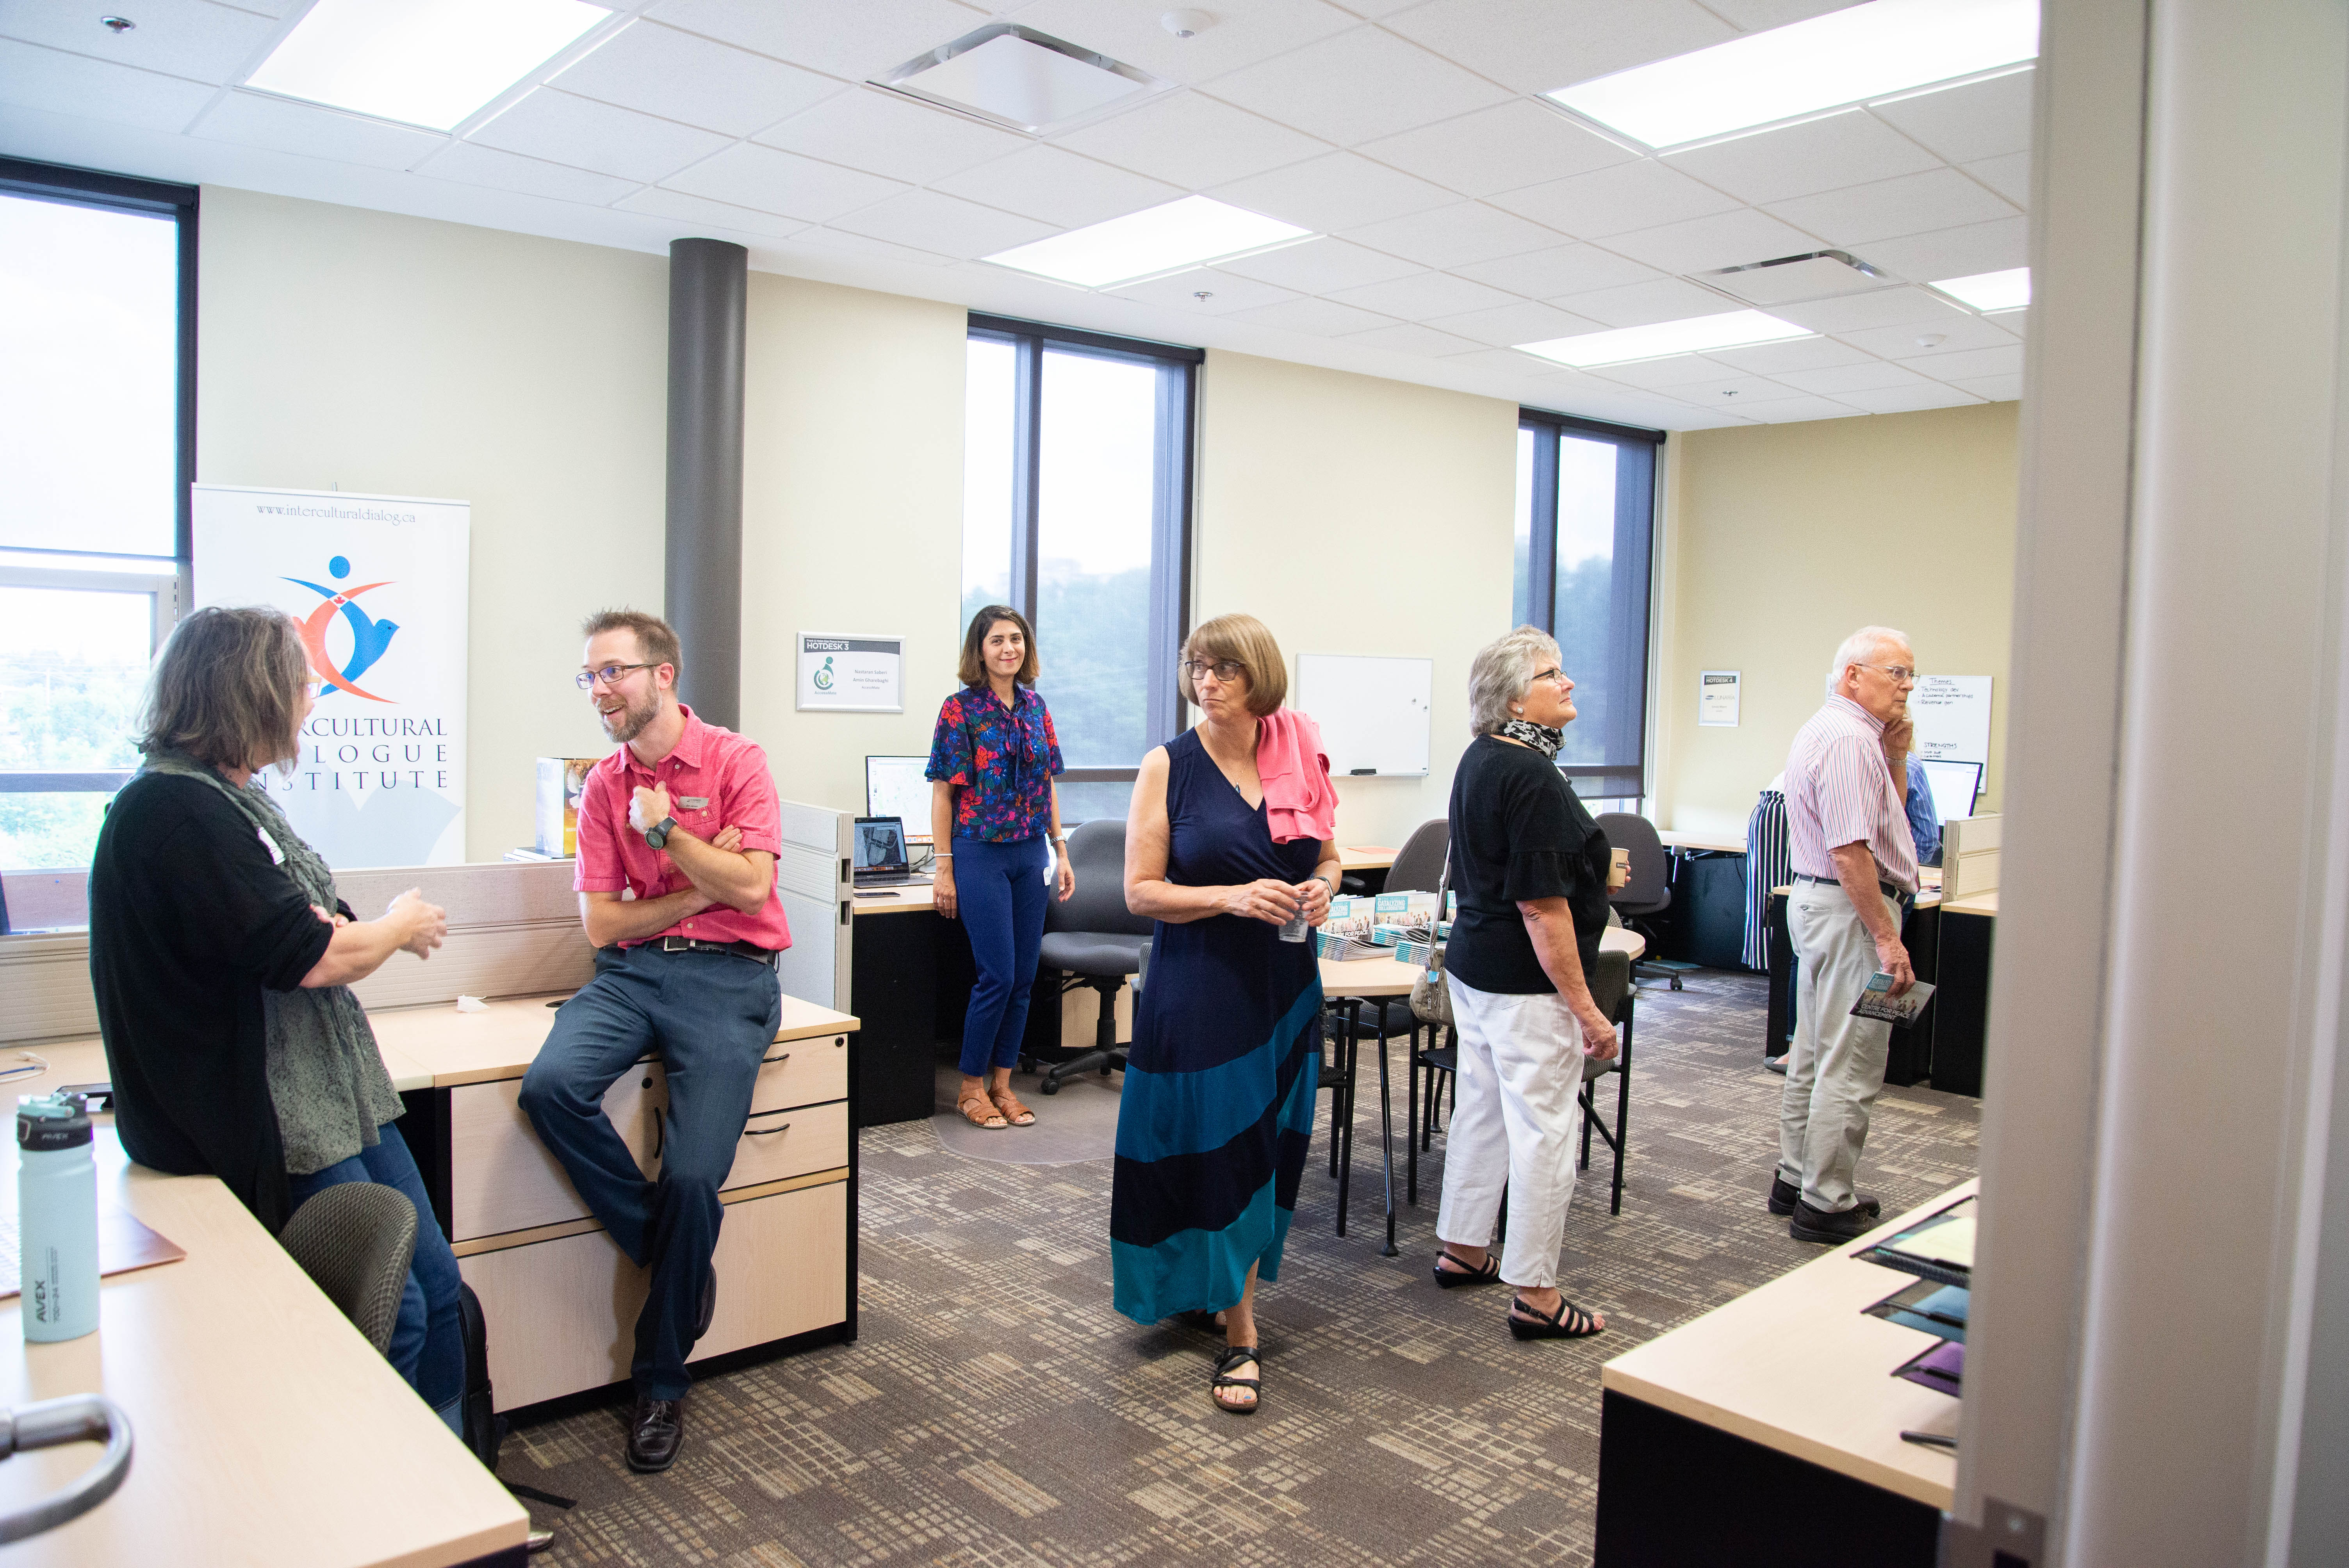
(676,887)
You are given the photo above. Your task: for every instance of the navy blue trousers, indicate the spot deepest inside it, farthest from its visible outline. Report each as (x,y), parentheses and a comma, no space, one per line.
(711,1017)
(427,1342)
(1001,892)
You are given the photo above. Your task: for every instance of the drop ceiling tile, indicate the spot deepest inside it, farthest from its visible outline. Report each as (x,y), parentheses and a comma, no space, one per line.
(1736,392)
(1997,388)
(1319,266)
(1616,201)
(1847,149)
(1358,84)
(889,134)
(1944,364)
(932,221)
(677,76)
(2017,321)
(1882,308)
(585,134)
(1509,362)
(1678,370)
(1336,191)
(33,77)
(1191,140)
(177,37)
(1758,16)
(1536,44)
(1776,359)
(1956,252)
(1561,270)
(1423,295)
(1322,317)
(1980,120)
(775,182)
(656,202)
(1504,148)
(1798,410)
(1864,378)
(1456,236)
(1724,240)
(853,41)
(467,163)
(1225,293)
(1889,209)
(1636,304)
(1505,326)
(1415,339)
(2009,175)
(1907,400)
(864,247)
(1243,33)
(252,119)
(1959,334)
(1059,187)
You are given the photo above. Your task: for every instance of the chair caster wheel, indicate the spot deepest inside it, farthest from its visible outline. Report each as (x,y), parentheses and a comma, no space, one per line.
(1052,1086)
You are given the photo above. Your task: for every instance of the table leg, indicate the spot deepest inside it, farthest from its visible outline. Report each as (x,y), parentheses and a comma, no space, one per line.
(1386,1131)
(1345,1127)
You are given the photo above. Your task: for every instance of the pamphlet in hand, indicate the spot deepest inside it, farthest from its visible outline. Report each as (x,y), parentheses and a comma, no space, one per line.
(1879,1002)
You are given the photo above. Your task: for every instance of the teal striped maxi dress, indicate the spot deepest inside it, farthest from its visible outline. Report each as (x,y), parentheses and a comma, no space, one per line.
(1217,1103)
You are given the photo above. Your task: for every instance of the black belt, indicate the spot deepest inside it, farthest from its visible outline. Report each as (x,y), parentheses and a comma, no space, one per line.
(1894,893)
(750,950)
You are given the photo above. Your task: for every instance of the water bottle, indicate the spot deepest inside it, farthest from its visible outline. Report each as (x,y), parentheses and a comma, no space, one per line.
(56,1217)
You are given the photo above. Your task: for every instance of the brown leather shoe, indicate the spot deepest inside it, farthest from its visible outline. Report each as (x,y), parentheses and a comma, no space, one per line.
(656,1431)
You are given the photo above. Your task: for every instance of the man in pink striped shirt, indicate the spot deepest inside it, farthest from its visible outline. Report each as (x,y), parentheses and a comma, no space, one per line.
(1854,858)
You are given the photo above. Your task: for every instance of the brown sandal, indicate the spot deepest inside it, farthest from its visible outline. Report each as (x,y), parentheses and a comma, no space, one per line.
(1017,1114)
(980,1111)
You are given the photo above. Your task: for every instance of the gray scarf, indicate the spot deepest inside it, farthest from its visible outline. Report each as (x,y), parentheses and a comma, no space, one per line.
(326,1078)
(1543,737)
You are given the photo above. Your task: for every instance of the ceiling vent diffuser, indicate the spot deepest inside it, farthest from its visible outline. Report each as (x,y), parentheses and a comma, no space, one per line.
(1816,275)
(1015,76)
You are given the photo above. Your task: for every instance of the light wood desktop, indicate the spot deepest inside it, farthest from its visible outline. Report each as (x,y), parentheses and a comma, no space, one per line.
(267,1432)
(1718,843)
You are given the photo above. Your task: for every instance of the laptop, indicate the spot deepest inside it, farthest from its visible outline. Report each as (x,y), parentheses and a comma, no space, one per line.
(879,851)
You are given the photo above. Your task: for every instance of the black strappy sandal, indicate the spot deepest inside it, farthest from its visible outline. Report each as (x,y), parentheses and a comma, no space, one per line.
(1452,1279)
(1570,1322)
(1232,1356)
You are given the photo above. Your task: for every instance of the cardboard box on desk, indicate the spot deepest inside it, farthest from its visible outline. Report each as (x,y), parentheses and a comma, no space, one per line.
(560,781)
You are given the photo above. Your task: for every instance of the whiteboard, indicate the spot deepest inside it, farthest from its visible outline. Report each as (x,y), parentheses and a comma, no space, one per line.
(1373,712)
(1951,715)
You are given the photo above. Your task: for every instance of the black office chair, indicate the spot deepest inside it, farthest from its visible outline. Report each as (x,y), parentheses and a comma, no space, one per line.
(1094,942)
(1648,893)
(355,1240)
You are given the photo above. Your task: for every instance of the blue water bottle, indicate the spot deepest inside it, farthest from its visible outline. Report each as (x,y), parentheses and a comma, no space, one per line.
(56,1217)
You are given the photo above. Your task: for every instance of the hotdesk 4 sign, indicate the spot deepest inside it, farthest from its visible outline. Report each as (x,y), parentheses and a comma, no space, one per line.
(378,586)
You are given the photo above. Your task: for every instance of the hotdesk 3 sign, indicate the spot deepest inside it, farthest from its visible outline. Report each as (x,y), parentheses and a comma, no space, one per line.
(378,585)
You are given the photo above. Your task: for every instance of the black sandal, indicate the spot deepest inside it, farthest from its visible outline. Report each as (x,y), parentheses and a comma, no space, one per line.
(1570,1322)
(1452,1279)
(1232,1356)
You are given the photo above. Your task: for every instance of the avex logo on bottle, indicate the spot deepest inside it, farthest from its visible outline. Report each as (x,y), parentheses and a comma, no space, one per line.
(369,638)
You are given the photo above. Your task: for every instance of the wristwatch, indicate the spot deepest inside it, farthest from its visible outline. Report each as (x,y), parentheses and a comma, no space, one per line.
(657,834)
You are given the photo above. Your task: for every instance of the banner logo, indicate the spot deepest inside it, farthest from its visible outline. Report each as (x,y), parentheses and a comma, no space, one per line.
(369,638)
(823,677)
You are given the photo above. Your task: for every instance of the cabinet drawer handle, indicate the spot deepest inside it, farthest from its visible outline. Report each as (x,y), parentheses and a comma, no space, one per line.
(766,1132)
(771,1061)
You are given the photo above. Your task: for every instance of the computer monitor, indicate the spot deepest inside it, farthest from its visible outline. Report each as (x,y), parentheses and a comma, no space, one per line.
(894,787)
(1955,786)
(880,844)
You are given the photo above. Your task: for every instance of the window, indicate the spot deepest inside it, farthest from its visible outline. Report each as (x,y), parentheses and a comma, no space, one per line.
(1586,517)
(1076,513)
(96,393)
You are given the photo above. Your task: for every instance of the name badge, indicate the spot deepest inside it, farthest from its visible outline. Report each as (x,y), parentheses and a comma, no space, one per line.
(276,855)
(693,802)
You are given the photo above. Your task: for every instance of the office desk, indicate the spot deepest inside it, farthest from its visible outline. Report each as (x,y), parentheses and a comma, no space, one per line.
(1967,926)
(1912,1055)
(910,974)
(1768,1430)
(1715,842)
(267,1432)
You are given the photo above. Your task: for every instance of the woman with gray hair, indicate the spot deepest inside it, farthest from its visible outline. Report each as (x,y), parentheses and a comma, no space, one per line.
(1530,868)
(222,959)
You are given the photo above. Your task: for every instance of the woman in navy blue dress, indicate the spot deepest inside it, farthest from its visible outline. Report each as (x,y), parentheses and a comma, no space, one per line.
(1218,1098)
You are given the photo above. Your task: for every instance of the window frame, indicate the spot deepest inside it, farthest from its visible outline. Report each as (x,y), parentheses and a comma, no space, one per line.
(1171,509)
(1541,569)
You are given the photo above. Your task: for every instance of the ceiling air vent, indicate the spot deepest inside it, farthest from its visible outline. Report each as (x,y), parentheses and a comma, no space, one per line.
(1816,275)
(1015,76)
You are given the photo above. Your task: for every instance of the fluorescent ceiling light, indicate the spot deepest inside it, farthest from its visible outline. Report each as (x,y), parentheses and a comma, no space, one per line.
(1695,335)
(1843,58)
(1182,234)
(432,63)
(2009,290)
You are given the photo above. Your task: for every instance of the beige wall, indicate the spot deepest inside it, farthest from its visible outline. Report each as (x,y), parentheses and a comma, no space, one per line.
(1354,515)
(403,356)
(1782,538)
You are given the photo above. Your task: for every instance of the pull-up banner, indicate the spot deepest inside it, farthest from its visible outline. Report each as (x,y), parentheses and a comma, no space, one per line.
(378,586)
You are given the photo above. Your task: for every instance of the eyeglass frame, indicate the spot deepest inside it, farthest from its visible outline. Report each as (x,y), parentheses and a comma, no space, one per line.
(1897,672)
(611,674)
(1193,668)
(1555,675)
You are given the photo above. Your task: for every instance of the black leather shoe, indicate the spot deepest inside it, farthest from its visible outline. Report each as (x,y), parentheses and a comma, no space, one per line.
(1811,1224)
(1785,1195)
(709,1302)
(656,1431)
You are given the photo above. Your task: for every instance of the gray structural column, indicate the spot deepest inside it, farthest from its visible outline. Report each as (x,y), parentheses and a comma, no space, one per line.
(708,282)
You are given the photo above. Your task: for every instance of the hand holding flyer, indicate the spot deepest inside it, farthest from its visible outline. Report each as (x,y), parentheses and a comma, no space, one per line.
(1877,1001)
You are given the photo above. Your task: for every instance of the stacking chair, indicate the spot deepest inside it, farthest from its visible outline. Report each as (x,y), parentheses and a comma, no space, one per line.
(355,1240)
(1648,893)
(1094,942)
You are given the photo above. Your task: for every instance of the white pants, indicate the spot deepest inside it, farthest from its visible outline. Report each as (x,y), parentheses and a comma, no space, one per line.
(1513,1131)
(1836,1067)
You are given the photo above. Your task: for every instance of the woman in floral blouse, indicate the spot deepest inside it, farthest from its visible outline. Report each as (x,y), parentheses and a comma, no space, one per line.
(995,815)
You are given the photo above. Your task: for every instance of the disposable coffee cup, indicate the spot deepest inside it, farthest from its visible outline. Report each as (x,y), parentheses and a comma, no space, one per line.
(1619,870)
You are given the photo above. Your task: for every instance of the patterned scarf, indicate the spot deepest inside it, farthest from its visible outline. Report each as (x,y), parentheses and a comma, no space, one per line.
(1542,737)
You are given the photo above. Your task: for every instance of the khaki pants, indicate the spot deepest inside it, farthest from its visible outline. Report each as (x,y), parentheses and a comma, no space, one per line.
(1836,1068)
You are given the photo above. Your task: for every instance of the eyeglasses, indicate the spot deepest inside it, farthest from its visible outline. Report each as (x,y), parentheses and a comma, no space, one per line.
(1897,672)
(1557,676)
(1224,669)
(609,674)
